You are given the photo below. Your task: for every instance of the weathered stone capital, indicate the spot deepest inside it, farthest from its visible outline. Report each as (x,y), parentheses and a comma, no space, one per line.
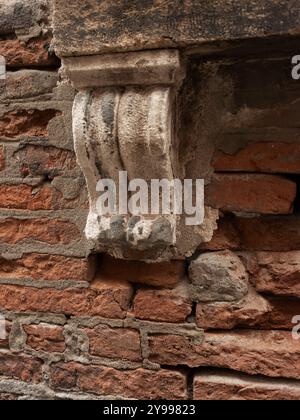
(124,120)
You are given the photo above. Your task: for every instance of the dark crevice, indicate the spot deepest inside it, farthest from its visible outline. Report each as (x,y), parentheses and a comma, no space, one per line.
(296,179)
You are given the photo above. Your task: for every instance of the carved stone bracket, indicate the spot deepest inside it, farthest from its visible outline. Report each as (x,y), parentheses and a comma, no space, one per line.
(124,120)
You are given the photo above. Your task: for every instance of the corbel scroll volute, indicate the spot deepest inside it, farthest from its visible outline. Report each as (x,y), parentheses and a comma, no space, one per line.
(123,121)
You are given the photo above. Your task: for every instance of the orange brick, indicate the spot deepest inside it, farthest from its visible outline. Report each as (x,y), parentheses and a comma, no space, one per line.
(44,230)
(108,300)
(161,305)
(267,157)
(265,194)
(267,353)
(48,267)
(138,384)
(165,274)
(29,123)
(45,338)
(115,343)
(33,53)
(25,197)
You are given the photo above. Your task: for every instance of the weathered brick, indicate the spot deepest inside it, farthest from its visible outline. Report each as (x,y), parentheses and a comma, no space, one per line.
(45,338)
(224,386)
(138,384)
(161,305)
(261,157)
(265,194)
(49,231)
(268,353)
(48,267)
(34,53)
(109,300)
(25,368)
(165,274)
(266,233)
(251,311)
(275,273)
(115,343)
(225,237)
(25,84)
(281,314)
(29,123)
(35,161)
(255,311)
(25,197)
(2,158)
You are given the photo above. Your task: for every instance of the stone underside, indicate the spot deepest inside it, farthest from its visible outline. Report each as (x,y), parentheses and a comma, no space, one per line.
(93,27)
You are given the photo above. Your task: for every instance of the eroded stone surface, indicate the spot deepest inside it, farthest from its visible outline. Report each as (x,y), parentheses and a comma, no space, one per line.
(219,276)
(23,17)
(146,25)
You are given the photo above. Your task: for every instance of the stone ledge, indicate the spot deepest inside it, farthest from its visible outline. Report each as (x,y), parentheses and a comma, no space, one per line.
(141,68)
(89,27)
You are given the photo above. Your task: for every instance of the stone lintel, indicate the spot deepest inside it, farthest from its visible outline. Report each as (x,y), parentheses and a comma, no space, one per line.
(92,27)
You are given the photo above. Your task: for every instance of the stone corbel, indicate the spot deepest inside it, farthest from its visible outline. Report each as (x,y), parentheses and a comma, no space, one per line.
(124,120)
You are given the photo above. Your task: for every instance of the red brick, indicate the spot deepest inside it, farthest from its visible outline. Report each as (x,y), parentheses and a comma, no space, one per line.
(268,353)
(109,300)
(115,343)
(38,161)
(225,237)
(29,123)
(138,384)
(45,338)
(261,157)
(249,312)
(253,312)
(2,158)
(265,194)
(25,197)
(48,267)
(49,231)
(266,233)
(33,53)
(25,368)
(275,273)
(224,386)
(161,305)
(165,274)
(282,313)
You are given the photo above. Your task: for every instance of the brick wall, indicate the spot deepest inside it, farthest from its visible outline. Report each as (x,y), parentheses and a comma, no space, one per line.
(217,326)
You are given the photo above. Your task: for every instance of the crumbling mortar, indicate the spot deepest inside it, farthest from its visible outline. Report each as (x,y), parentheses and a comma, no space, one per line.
(44,284)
